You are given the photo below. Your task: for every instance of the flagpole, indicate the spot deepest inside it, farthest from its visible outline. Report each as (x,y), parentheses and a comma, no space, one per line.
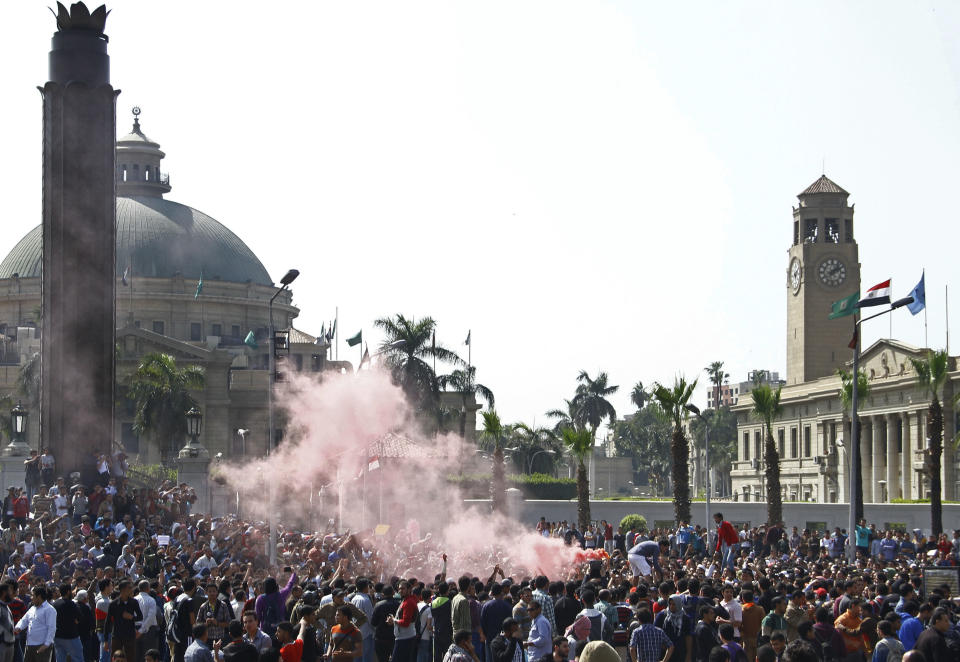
(336,333)
(926,342)
(946,297)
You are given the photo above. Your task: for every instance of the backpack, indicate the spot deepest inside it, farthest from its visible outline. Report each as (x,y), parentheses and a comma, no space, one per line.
(178,629)
(826,649)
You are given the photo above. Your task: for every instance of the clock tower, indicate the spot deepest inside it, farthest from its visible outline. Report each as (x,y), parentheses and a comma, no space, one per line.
(823,266)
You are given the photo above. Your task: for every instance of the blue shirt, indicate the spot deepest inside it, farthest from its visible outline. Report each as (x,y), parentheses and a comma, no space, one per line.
(910,629)
(649,549)
(649,642)
(684,534)
(863,536)
(888,548)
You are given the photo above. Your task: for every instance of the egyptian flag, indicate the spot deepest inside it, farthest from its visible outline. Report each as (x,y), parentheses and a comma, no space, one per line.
(877,295)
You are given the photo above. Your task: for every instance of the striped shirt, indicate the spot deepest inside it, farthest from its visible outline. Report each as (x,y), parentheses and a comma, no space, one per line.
(649,641)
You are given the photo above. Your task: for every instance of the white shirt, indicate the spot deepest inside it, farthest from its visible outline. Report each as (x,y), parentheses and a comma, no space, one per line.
(148,607)
(735,609)
(204,562)
(60,503)
(40,624)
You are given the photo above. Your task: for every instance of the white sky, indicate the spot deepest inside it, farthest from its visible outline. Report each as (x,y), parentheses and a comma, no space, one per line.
(585,185)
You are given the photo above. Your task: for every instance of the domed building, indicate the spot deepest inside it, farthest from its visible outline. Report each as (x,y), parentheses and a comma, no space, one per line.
(186,286)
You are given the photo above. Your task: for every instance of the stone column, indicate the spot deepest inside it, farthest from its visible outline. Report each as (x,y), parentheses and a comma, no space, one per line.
(866,458)
(893,484)
(906,455)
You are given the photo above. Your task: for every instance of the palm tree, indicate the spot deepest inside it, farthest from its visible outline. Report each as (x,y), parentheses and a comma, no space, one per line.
(846,400)
(931,376)
(463,381)
(579,441)
(406,348)
(639,396)
(494,436)
(767,407)
(160,392)
(565,417)
(590,402)
(529,441)
(717,377)
(758,376)
(673,401)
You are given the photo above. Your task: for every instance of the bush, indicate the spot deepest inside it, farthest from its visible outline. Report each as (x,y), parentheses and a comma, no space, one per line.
(639,522)
(533,486)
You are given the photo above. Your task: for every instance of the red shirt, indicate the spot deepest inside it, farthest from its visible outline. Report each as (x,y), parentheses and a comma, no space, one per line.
(726,534)
(293,651)
(20,507)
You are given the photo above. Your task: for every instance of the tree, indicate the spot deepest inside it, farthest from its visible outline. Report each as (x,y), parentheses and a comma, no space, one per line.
(406,349)
(590,402)
(494,436)
(931,376)
(758,376)
(673,401)
(767,407)
(463,381)
(639,396)
(160,392)
(846,400)
(565,417)
(645,437)
(530,442)
(717,377)
(722,425)
(579,441)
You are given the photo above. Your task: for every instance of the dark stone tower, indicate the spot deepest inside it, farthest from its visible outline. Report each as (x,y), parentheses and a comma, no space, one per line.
(79,242)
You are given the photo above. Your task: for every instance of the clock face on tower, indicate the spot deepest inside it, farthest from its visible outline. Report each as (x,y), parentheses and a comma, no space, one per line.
(796,272)
(832,272)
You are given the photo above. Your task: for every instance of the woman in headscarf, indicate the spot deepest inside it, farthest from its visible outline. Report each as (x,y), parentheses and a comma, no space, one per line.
(678,626)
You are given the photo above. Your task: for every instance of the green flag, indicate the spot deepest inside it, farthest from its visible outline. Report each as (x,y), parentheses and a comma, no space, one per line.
(845,306)
(355,339)
(250,340)
(196,295)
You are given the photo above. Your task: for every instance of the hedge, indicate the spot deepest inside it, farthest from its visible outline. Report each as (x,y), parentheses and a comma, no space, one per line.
(533,486)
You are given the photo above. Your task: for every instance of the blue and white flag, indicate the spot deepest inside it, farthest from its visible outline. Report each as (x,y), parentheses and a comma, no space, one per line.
(919,295)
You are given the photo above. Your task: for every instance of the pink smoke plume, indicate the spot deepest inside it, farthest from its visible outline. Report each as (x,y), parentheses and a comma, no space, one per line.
(334,427)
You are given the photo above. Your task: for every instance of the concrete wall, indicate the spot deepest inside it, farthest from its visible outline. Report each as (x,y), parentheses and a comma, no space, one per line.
(795,514)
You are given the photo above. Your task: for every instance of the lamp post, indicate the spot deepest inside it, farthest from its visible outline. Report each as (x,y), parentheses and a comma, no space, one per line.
(194,424)
(693,409)
(18,424)
(534,456)
(855,425)
(288,278)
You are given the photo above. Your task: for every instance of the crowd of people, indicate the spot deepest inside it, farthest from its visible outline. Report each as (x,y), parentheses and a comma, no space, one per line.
(108,573)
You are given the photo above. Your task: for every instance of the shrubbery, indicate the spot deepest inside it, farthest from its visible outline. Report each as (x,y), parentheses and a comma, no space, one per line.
(639,522)
(533,486)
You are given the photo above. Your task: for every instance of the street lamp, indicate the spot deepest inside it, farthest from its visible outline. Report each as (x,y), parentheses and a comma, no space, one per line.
(288,278)
(695,410)
(534,456)
(18,424)
(193,448)
(855,422)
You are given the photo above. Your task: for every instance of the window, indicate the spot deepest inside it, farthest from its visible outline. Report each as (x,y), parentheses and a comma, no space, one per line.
(832,230)
(235,330)
(780,441)
(811,231)
(793,442)
(806,441)
(796,232)
(746,446)
(848,230)
(757,453)
(216,329)
(158,326)
(196,331)
(298,361)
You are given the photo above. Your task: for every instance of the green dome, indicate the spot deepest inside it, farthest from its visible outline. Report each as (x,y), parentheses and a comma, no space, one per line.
(157,238)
